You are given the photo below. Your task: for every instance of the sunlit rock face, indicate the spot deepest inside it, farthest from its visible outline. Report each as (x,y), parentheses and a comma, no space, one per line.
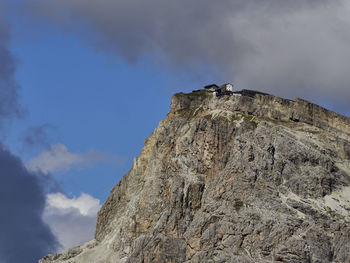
(244,178)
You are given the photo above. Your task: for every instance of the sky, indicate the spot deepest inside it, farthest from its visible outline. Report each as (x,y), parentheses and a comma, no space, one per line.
(83,83)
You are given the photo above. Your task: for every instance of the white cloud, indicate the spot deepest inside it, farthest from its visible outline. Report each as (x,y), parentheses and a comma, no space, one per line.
(58,158)
(86,204)
(72,220)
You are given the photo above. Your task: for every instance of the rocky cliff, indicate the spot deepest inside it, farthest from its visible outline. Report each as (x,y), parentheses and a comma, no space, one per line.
(243,178)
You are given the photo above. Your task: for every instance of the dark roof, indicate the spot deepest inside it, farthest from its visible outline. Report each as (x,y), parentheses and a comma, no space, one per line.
(211,86)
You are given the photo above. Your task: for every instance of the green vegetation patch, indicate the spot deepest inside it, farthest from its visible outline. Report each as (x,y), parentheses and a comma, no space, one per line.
(201,95)
(189,113)
(208,117)
(195,95)
(281,122)
(248,117)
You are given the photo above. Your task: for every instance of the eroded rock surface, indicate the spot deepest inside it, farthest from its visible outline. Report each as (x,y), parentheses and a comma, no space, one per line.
(235,179)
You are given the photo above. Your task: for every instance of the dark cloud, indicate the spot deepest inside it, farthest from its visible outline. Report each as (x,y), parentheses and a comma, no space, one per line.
(24,236)
(291,48)
(38,136)
(9,105)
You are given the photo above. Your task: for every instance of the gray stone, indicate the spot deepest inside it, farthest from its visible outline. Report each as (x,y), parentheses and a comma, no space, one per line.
(234,179)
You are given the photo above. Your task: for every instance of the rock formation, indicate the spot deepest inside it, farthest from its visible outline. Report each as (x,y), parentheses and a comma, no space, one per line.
(243,178)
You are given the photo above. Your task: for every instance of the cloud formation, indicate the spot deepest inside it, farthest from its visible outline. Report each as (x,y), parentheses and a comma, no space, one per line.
(58,158)
(24,235)
(9,105)
(72,220)
(37,136)
(291,48)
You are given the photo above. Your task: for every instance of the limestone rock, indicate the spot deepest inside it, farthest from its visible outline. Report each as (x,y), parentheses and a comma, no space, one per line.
(251,178)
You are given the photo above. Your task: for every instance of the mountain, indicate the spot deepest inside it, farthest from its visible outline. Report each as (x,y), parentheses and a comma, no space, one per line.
(249,177)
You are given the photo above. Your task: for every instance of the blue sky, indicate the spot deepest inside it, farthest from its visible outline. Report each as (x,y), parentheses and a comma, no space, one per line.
(87,101)
(94,78)
(86,96)
(92,100)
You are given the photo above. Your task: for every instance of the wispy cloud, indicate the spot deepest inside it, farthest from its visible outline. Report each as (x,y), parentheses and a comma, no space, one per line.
(9,104)
(58,158)
(37,136)
(72,220)
(291,48)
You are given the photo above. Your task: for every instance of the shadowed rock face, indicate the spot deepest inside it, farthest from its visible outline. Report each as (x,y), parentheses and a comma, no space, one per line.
(236,179)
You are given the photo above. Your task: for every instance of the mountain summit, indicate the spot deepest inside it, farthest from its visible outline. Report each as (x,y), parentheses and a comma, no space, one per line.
(248,177)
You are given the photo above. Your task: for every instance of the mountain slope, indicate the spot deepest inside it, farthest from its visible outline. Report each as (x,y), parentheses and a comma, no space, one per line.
(244,178)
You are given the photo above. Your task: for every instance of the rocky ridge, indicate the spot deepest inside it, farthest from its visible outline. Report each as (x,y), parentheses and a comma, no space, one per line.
(243,178)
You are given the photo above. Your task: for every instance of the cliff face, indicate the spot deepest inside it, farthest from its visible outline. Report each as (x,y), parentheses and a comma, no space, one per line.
(236,179)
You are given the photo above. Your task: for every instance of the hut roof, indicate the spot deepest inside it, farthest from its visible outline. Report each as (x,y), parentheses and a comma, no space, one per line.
(211,86)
